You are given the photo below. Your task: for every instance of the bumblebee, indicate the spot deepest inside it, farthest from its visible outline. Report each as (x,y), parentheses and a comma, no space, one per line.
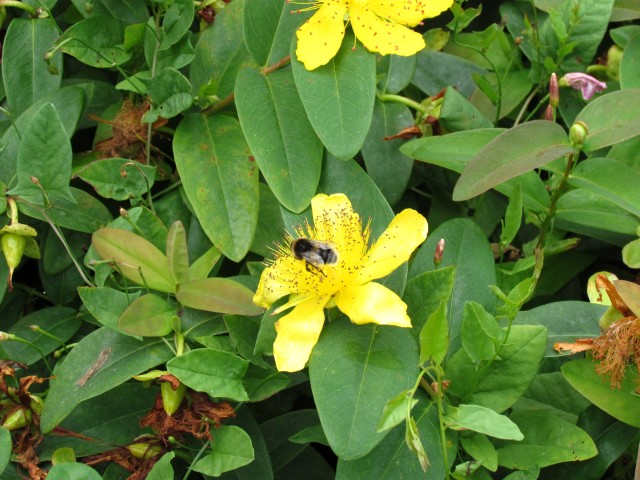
(314,252)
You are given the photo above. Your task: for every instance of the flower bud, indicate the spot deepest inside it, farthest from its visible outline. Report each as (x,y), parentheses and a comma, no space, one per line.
(578,134)
(554,91)
(12,248)
(549,113)
(171,399)
(144,451)
(437,256)
(19,418)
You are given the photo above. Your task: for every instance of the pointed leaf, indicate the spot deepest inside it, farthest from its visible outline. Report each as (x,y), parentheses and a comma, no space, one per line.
(148,316)
(338,97)
(106,304)
(281,138)
(25,73)
(211,371)
(134,257)
(482,420)
(118,178)
(434,336)
(610,178)
(354,371)
(605,129)
(231,448)
(220,179)
(622,403)
(218,295)
(45,153)
(202,266)
(548,439)
(99,362)
(514,152)
(177,252)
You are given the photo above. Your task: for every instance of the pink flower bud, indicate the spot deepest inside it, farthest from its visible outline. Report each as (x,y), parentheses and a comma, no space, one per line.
(554,91)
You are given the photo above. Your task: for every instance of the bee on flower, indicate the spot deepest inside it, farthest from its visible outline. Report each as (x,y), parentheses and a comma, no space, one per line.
(381,26)
(332,265)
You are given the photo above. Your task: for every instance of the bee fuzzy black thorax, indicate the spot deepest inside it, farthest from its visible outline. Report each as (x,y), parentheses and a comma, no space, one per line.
(314,252)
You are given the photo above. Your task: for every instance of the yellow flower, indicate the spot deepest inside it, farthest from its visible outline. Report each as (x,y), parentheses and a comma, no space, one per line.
(378,24)
(347,283)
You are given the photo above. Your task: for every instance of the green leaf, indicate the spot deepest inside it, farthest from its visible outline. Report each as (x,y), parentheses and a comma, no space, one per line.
(60,322)
(391,459)
(439,283)
(482,420)
(435,71)
(631,254)
(503,382)
(434,336)
(481,334)
(466,249)
(96,41)
(614,180)
(5,448)
(396,409)
(457,113)
(65,471)
(397,71)
(177,252)
(176,21)
(211,371)
(585,212)
(231,448)
(202,266)
(101,361)
(135,258)
(622,403)
(218,295)
(45,153)
(630,65)
(278,431)
(455,150)
(338,97)
(386,165)
(280,136)
(268,27)
(548,440)
(354,370)
(118,178)
(148,316)
(25,73)
(170,93)
(270,225)
(605,129)
(109,419)
(220,52)
(514,152)
(482,450)
(512,217)
(63,455)
(219,179)
(162,469)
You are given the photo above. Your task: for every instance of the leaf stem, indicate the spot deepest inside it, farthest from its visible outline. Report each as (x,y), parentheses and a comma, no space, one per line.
(389,97)
(21,5)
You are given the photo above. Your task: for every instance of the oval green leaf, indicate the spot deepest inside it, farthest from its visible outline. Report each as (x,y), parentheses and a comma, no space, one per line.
(630,64)
(220,295)
(101,361)
(220,179)
(118,178)
(231,448)
(134,257)
(514,152)
(482,420)
(211,371)
(605,129)
(148,316)
(354,371)
(338,97)
(280,136)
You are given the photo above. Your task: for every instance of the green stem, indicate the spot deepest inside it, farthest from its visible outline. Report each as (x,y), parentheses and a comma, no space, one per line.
(34,346)
(443,431)
(23,6)
(388,97)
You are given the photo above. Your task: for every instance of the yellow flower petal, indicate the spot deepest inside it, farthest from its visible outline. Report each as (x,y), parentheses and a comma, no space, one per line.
(336,222)
(383,36)
(287,276)
(408,12)
(319,38)
(394,247)
(373,303)
(298,332)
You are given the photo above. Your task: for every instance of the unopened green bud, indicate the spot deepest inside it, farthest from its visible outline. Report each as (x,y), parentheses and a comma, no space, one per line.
(12,248)
(144,451)
(171,399)
(19,418)
(36,404)
(578,134)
